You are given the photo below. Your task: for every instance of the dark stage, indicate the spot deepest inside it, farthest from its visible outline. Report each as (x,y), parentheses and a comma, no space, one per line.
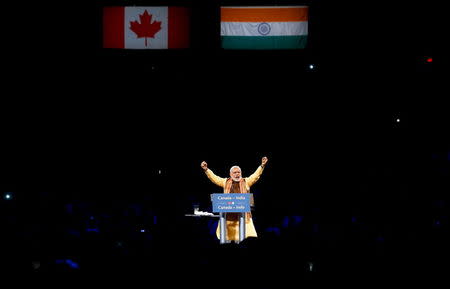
(101,150)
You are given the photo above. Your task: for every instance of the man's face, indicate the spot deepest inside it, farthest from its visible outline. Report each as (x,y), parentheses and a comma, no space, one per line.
(236,174)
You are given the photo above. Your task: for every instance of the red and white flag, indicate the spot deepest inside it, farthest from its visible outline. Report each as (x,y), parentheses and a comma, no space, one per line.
(146,27)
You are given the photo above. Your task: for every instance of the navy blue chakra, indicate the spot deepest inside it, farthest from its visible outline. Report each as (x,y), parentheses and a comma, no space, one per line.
(264,28)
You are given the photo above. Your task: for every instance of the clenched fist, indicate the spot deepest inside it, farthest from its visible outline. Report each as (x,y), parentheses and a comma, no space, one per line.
(264,161)
(204,165)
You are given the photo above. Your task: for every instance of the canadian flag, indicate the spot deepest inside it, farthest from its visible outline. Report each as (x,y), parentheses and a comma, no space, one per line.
(146,27)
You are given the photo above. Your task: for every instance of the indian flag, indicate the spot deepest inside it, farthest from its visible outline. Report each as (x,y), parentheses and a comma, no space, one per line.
(266,27)
(140,27)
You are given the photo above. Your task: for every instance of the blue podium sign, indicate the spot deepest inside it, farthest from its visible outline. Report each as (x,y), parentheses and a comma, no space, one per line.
(230,203)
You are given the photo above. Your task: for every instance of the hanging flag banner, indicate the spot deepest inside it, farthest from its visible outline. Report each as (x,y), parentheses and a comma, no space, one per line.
(146,27)
(264,27)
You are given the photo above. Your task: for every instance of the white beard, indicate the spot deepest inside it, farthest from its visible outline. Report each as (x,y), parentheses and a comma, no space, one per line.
(236,179)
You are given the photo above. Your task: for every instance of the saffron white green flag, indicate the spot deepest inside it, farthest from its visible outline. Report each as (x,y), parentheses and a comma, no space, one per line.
(264,27)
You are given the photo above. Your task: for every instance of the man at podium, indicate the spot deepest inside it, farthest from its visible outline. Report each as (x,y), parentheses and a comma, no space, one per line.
(238,185)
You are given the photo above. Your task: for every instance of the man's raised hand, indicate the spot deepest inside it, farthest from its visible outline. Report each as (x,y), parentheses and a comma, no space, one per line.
(264,161)
(204,165)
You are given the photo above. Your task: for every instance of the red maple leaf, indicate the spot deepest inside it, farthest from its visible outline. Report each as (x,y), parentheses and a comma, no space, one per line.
(146,28)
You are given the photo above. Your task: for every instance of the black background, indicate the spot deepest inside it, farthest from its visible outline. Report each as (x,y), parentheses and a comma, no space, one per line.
(83,123)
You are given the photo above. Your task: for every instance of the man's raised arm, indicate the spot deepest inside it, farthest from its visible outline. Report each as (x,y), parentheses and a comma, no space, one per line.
(215,179)
(255,176)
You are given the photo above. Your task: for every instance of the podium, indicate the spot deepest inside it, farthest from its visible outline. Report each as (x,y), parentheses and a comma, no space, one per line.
(231,203)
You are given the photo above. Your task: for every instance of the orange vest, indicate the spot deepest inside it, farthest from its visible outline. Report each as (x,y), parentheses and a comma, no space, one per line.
(242,189)
(242,186)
